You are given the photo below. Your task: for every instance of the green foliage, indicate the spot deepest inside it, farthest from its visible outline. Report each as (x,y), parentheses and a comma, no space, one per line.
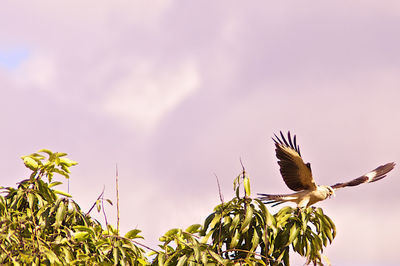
(37,226)
(243,232)
(41,225)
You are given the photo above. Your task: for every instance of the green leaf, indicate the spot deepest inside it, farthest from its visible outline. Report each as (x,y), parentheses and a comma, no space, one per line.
(235,239)
(133,234)
(194,228)
(86,229)
(98,205)
(30,163)
(328,233)
(247,218)
(56,183)
(281,255)
(255,240)
(51,256)
(115,255)
(282,220)
(286,257)
(235,222)
(215,220)
(67,162)
(59,192)
(284,211)
(172,232)
(60,214)
(141,261)
(182,261)
(65,169)
(332,225)
(246,183)
(49,152)
(61,172)
(207,223)
(270,219)
(81,235)
(206,237)
(294,230)
(217,257)
(308,248)
(31,200)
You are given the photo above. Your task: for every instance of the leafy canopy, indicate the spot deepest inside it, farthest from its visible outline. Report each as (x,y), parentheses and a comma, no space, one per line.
(42,225)
(243,232)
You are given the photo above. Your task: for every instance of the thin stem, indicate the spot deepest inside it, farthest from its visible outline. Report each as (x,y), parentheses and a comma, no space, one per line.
(221,197)
(116,186)
(104,212)
(94,204)
(222,207)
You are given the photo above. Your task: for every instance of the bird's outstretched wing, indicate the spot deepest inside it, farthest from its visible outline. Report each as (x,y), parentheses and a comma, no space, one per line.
(372,176)
(296,174)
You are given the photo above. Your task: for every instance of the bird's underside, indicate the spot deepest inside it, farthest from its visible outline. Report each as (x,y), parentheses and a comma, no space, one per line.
(298,176)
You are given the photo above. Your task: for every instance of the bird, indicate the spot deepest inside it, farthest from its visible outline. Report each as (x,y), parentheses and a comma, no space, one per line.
(297,175)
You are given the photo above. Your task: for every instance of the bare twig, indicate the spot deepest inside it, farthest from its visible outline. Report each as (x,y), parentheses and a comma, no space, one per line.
(104,212)
(116,186)
(94,204)
(221,197)
(244,172)
(142,245)
(243,176)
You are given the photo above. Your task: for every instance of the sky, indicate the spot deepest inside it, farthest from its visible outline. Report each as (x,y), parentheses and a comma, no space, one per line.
(176,92)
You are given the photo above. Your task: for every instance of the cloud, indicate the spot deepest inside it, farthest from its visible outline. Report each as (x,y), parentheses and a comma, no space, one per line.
(200,85)
(38,71)
(148,93)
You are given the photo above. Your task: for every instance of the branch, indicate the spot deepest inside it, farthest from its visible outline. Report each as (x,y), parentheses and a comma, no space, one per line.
(221,197)
(94,204)
(116,186)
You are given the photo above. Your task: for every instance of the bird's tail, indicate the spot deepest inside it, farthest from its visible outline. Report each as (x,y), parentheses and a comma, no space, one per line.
(274,199)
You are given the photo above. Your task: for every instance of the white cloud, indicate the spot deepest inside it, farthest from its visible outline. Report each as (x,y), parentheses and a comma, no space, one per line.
(144,96)
(37,71)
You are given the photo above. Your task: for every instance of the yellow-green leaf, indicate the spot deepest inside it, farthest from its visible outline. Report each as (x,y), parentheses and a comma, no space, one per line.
(60,214)
(194,228)
(246,183)
(30,163)
(247,219)
(235,239)
(294,230)
(133,234)
(62,193)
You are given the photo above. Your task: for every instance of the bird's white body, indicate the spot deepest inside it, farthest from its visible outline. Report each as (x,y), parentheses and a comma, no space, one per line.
(307,198)
(303,198)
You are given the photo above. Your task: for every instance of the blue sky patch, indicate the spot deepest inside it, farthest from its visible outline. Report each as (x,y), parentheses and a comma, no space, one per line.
(12,58)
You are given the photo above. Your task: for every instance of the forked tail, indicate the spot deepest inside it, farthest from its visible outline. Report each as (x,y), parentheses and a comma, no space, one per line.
(274,199)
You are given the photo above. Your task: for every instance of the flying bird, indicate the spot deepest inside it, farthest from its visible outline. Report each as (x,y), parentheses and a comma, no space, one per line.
(298,176)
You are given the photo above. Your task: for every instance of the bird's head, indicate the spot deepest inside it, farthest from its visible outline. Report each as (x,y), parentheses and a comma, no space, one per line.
(329,191)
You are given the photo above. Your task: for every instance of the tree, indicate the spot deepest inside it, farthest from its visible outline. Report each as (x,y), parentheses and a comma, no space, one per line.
(243,232)
(42,225)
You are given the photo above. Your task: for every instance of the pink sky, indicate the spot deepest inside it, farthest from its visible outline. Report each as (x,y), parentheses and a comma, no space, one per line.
(175,91)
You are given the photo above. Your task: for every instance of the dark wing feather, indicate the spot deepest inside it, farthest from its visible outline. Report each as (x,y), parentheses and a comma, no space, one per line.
(372,176)
(296,174)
